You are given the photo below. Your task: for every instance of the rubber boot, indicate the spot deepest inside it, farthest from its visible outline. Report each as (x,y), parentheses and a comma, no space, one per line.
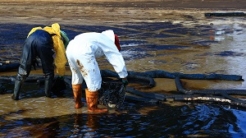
(47,85)
(17,88)
(92,102)
(77,94)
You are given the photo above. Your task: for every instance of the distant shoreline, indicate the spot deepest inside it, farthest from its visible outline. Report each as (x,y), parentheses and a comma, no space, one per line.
(182,4)
(105,12)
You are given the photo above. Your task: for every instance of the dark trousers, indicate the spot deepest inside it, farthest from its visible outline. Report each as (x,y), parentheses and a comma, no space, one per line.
(38,44)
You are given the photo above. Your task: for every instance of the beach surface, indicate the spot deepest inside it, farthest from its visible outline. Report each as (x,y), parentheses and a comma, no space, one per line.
(110,11)
(170,35)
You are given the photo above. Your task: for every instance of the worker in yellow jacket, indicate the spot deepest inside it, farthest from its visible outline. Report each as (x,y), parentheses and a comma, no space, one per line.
(48,44)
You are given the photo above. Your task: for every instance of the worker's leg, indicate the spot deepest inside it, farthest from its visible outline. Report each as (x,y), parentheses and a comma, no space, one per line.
(45,51)
(25,66)
(91,73)
(77,79)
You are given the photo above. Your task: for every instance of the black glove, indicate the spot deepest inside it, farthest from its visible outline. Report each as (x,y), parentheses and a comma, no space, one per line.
(125,82)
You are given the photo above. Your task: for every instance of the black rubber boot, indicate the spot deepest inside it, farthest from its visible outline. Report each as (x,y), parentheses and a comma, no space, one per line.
(18,83)
(17,87)
(47,85)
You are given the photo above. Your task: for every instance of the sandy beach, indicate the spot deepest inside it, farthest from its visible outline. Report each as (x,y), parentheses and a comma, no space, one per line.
(169,35)
(110,11)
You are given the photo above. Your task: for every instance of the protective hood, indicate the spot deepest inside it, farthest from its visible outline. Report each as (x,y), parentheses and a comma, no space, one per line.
(110,34)
(113,37)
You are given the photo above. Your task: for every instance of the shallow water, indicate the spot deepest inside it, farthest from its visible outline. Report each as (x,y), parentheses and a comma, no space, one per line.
(213,46)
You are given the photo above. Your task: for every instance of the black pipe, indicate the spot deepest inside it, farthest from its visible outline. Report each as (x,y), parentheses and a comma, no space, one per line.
(131,77)
(160,97)
(225,14)
(8,67)
(223,93)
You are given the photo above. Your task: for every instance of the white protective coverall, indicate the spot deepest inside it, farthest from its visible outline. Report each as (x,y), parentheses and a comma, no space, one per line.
(82,52)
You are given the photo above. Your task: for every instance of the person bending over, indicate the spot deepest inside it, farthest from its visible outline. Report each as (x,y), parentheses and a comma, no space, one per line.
(48,44)
(82,52)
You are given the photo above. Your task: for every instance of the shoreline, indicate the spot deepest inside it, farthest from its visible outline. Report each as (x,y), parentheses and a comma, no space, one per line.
(110,12)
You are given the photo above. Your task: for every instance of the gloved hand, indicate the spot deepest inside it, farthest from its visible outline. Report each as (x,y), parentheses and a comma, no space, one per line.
(124,81)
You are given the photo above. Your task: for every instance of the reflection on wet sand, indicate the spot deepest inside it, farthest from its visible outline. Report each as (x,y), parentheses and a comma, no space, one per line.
(170,40)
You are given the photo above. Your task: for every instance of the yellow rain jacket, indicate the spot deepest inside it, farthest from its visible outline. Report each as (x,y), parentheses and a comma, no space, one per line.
(60,57)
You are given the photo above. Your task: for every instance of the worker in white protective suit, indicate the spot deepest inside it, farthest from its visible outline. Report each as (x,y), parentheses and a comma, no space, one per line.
(81,53)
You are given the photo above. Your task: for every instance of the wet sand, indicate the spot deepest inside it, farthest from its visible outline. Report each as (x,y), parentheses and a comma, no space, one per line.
(109,11)
(188,13)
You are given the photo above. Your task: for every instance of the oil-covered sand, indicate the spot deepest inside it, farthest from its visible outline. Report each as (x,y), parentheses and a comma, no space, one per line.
(155,35)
